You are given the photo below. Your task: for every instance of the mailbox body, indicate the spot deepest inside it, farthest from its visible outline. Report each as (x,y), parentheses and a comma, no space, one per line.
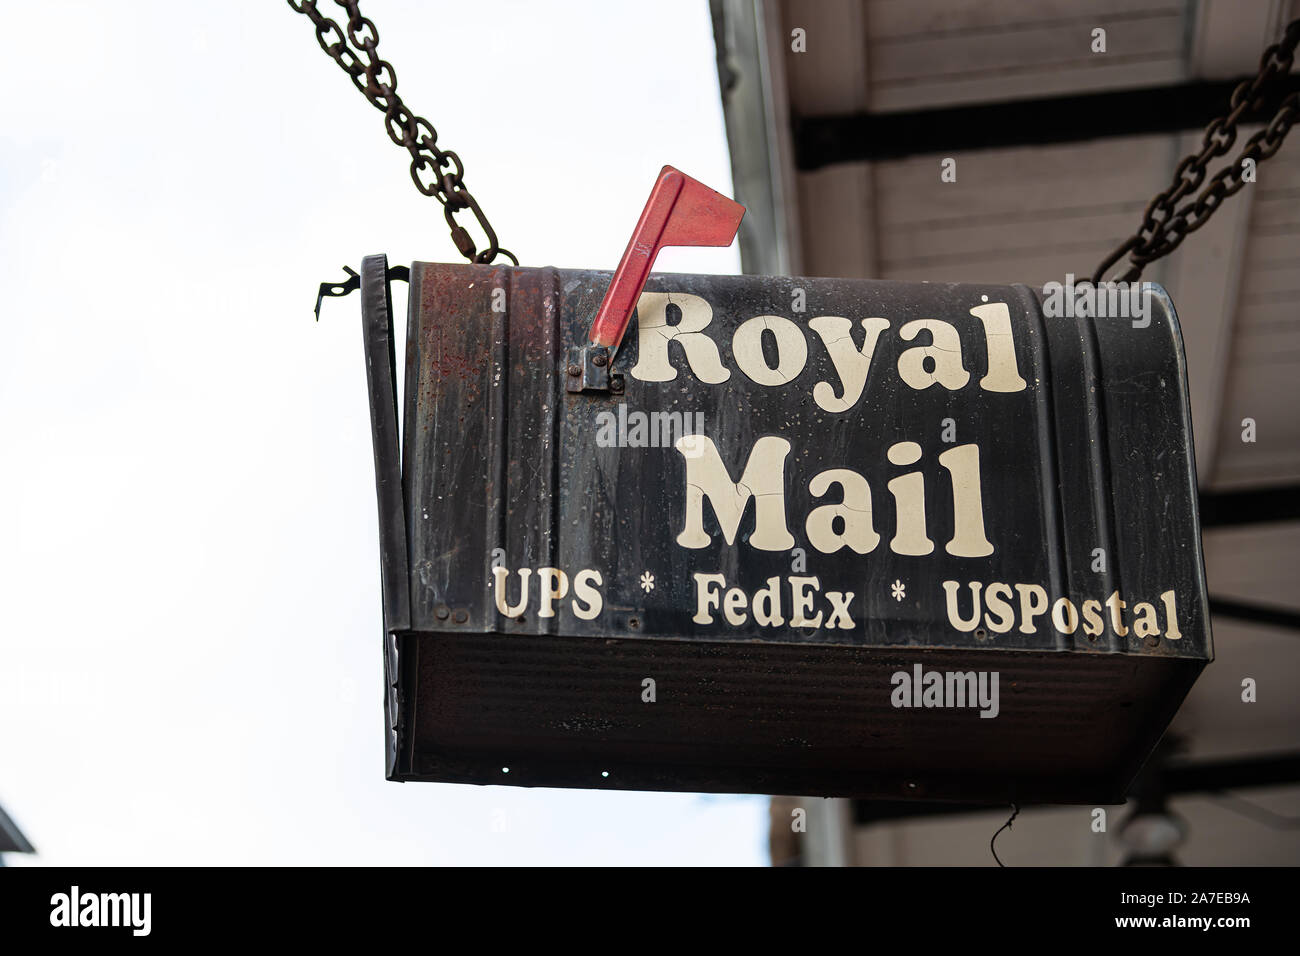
(603,672)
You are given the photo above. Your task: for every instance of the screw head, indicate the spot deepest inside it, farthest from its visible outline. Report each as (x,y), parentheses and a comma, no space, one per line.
(575,371)
(600,360)
(461,616)
(441,612)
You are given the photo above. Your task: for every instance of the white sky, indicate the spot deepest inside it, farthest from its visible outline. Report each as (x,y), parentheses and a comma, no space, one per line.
(190,666)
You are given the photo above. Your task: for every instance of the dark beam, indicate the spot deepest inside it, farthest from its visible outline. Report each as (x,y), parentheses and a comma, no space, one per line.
(1254,506)
(1255,613)
(1204,776)
(1212,776)
(824,140)
(875,811)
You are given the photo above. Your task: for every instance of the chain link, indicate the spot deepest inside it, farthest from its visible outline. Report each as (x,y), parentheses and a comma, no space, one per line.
(1165,223)
(435,172)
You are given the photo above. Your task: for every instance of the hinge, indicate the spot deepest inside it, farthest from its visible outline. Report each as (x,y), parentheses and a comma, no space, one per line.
(588,370)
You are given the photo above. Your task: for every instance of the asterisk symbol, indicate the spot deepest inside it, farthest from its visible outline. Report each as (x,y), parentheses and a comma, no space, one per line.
(898,589)
(647,581)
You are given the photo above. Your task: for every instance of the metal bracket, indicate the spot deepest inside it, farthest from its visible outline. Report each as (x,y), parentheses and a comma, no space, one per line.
(353,282)
(588,370)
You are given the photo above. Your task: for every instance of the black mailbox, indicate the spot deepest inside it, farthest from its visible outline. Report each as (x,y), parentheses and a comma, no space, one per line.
(814,536)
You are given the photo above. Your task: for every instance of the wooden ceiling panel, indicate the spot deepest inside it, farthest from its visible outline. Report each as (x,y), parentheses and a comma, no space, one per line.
(1263,379)
(934,53)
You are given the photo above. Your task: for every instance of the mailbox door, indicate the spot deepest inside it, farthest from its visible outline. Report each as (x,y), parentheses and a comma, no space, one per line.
(711,576)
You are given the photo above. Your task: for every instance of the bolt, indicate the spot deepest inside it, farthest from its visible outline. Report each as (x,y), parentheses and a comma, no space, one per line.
(616,385)
(461,616)
(441,612)
(575,371)
(600,360)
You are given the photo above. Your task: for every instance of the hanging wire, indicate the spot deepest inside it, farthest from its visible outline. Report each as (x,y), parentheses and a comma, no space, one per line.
(1015,812)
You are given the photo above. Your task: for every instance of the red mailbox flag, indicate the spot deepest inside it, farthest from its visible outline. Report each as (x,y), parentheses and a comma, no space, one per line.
(681,211)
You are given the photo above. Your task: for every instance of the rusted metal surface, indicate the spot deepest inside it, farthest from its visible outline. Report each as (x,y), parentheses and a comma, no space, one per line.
(504,471)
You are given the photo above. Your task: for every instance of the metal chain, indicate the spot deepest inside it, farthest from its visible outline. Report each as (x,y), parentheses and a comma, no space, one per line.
(435,172)
(1165,224)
